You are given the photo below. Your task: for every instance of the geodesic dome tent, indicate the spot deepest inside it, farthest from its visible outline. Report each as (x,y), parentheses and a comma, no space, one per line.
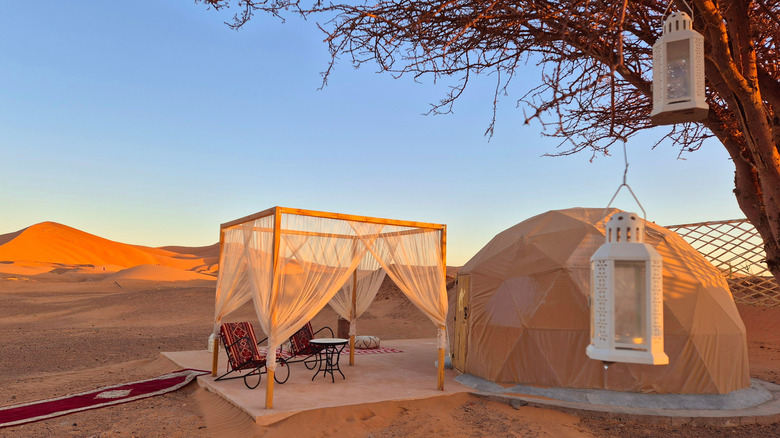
(526,294)
(292,262)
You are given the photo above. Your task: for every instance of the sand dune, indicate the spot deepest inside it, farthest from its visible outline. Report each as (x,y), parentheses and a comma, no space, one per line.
(157,273)
(5,238)
(50,242)
(25,269)
(206,252)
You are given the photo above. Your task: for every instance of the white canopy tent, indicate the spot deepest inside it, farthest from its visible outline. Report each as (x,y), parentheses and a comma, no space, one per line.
(293,262)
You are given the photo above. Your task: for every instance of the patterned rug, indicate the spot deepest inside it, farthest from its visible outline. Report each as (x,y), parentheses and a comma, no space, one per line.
(372,350)
(284,354)
(97,398)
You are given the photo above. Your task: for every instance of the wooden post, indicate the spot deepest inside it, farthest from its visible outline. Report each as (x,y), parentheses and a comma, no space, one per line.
(352,318)
(215,357)
(269,386)
(269,390)
(440,384)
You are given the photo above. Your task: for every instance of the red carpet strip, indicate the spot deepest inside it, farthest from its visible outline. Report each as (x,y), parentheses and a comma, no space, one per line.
(97,398)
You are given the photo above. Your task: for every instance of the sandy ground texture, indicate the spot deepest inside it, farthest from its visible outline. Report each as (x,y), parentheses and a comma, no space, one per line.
(68,328)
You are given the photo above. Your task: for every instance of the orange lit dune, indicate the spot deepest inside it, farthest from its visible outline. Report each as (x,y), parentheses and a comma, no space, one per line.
(52,247)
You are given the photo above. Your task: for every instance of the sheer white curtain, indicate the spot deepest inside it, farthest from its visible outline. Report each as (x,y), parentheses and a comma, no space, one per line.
(258,238)
(413,260)
(316,256)
(369,278)
(233,282)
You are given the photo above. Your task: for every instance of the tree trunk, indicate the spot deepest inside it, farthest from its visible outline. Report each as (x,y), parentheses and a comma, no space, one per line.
(752,141)
(751,196)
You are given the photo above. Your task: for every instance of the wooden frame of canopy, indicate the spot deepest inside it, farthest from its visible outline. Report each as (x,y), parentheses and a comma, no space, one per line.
(412,227)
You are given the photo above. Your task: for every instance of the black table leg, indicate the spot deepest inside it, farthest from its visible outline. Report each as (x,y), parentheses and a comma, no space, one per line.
(320,368)
(337,352)
(329,358)
(330,362)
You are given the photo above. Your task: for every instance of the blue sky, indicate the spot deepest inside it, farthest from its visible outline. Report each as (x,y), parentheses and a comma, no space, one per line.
(151,122)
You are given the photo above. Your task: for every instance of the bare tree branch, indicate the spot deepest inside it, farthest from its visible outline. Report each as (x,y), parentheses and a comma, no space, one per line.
(595,59)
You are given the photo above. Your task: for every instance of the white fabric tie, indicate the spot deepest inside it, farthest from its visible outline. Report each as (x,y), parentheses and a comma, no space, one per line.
(441,338)
(270,359)
(353,327)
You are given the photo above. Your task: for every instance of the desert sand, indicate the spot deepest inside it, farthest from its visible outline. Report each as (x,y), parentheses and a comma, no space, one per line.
(81,312)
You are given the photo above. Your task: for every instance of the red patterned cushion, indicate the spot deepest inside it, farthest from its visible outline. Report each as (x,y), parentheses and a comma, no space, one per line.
(300,341)
(241,344)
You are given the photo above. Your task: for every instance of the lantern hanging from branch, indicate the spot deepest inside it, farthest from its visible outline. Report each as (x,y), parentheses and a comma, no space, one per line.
(678,73)
(626,282)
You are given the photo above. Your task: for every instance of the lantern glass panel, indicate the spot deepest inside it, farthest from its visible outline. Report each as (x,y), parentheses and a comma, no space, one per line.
(678,83)
(630,298)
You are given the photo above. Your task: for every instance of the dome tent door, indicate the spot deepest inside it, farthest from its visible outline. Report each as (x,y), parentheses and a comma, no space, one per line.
(460,347)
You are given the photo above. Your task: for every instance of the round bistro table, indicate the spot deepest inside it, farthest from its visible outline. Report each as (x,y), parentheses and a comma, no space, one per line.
(329,356)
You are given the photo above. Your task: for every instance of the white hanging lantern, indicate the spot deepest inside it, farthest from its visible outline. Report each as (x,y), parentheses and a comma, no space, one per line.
(678,73)
(627,290)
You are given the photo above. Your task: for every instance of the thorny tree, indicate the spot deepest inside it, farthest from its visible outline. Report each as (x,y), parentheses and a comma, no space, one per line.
(596,60)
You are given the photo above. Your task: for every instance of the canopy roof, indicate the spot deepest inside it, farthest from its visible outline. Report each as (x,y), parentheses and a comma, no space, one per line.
(292,262)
